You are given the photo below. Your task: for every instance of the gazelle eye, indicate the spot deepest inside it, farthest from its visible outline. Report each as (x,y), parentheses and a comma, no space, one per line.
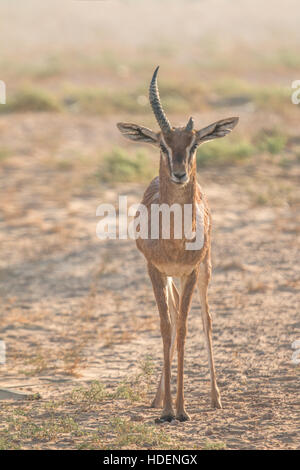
(193,150)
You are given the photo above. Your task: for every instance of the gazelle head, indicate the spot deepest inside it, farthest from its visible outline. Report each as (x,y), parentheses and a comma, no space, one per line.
(178,145)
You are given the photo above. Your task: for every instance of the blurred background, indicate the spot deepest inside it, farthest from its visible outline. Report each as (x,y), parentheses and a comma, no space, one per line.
(75,309)
(74,68)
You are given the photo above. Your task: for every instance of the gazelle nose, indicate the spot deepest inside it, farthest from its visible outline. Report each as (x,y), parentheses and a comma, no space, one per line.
(180,175)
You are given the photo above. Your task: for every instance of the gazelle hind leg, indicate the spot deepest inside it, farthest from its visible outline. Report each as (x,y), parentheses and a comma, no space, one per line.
(173,302)
(203,280)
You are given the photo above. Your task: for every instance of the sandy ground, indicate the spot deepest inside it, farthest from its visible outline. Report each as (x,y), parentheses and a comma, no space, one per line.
(76,309)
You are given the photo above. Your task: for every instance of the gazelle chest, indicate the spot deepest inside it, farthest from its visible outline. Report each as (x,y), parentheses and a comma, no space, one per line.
(179,257)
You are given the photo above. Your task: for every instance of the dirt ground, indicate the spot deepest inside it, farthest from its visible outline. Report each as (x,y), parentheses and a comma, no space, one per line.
(78,314)
(76,310)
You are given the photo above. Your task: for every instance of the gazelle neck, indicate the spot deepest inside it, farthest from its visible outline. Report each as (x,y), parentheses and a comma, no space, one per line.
(171,193)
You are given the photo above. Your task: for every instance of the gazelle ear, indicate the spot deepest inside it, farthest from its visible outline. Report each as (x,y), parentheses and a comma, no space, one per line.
(216,130)
(138,133)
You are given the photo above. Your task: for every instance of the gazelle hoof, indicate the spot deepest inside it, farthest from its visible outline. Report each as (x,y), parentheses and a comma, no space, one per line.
(183,417)
(165,419)
(216,403)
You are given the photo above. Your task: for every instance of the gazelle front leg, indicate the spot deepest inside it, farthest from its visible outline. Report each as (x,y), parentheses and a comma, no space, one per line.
(204,277)
(187,287)
(173,303)
(159,283)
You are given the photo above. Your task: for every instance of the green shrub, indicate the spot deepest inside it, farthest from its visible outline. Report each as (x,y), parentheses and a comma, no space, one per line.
(119,166)
(222,152)
(272,142)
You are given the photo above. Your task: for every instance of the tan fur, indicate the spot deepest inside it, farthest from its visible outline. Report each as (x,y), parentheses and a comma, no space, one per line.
(170,258)
(167,258)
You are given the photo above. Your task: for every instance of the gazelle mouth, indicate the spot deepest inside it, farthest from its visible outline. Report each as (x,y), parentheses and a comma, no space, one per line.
(179,181)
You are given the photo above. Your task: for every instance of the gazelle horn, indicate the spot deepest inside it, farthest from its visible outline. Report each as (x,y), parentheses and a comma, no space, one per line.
(154,98)
(190,125)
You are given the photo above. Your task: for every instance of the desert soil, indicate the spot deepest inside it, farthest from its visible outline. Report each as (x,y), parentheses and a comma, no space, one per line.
(75,309)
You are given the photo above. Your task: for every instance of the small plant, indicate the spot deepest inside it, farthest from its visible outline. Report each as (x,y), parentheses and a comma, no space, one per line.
(137,387)
(22,427)
(119,166)
(36,365)
(6,443)
(211,445)
(129,390)
(272,142)
(146,365)
(95,393)
(47,430)
(128,433)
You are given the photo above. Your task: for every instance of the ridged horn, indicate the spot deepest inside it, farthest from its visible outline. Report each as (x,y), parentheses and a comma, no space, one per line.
(190,125)
(154,98)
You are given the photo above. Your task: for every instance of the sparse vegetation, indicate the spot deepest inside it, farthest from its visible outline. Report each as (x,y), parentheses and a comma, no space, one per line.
(95,393)
(214,445)
(21,428)
(76,312)
(133,388)
(31,100)
(121,166)
(272,141)
(140,435)
(136,388)
(46,430)
(6,443)
(180,96)
(273,194)
(224,152)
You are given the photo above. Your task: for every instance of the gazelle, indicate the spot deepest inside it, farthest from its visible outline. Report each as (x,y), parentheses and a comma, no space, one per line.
(168,258)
